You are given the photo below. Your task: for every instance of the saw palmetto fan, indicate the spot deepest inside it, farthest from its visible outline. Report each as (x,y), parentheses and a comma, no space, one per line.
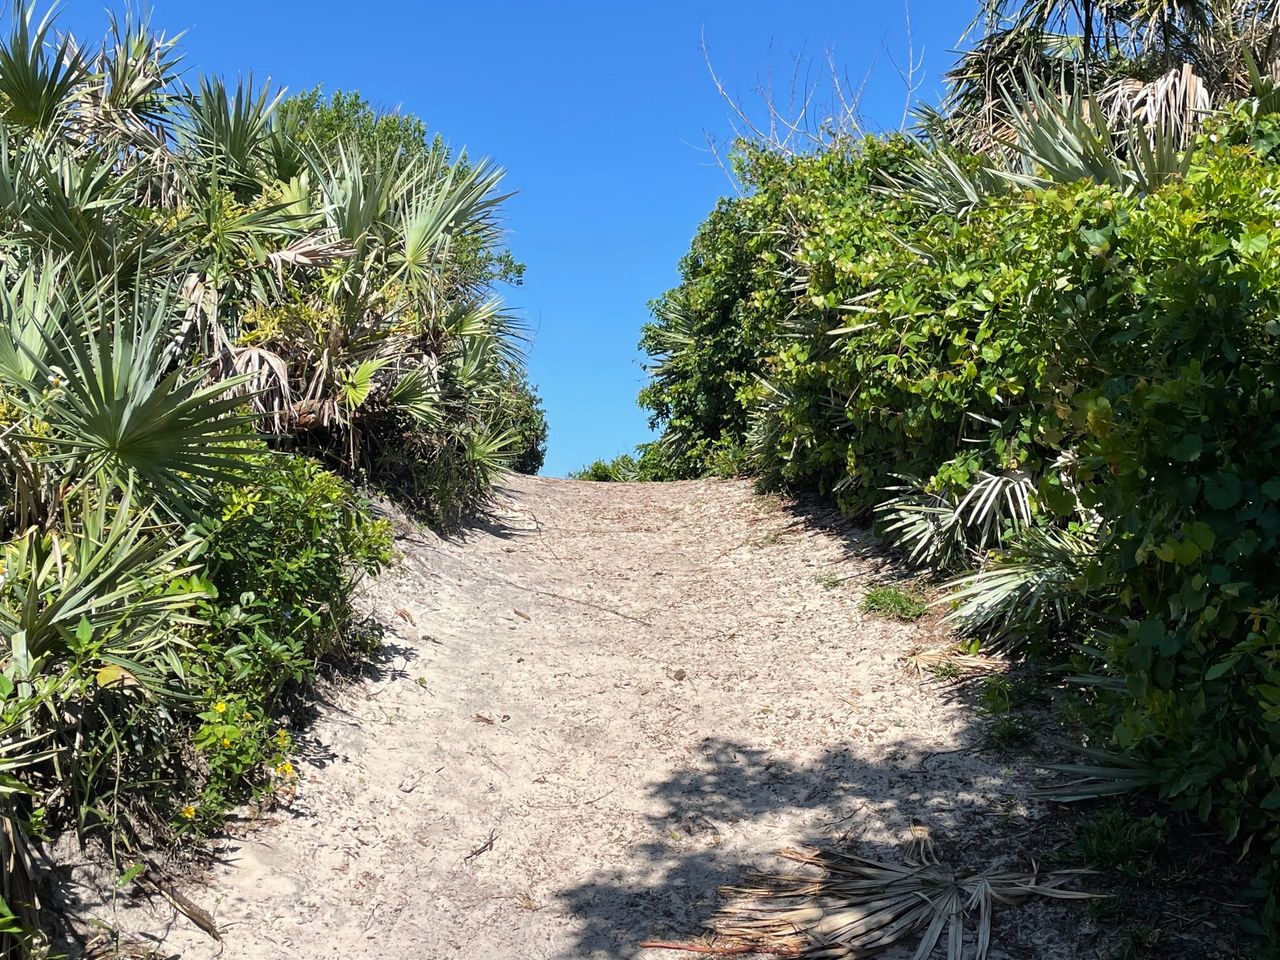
(855,907)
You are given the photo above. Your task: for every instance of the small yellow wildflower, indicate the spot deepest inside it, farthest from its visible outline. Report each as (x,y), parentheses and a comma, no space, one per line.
(285,769)
(189,812)
(226,742)
(220,707)
(282,737)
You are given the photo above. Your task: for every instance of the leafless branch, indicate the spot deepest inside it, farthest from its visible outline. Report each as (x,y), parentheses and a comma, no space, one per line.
(804,121)
(909,75)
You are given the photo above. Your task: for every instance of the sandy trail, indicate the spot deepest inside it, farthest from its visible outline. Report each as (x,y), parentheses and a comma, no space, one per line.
(592,711)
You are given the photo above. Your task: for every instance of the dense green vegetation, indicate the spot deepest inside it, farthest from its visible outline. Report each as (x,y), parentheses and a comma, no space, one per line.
(621,469)
(1037,341)
(199,283)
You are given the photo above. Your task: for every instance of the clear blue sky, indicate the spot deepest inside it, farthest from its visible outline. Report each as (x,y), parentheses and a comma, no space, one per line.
(599,112)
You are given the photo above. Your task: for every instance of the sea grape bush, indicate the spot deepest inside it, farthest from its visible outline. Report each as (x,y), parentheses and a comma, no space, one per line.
(716,335)
(1117,350)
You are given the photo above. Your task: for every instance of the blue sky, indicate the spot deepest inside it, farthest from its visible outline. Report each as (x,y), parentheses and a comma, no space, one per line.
(600,113)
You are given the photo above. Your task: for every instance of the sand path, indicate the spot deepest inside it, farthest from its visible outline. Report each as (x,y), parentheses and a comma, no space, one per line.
(592,711)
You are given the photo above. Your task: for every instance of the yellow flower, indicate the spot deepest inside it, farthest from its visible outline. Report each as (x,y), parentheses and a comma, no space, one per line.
(220,707)
(226,742)
(189,812)
(282,738)
(285,769)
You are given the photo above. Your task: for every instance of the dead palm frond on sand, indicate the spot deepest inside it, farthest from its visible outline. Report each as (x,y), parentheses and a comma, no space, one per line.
(952,662)
(852,906)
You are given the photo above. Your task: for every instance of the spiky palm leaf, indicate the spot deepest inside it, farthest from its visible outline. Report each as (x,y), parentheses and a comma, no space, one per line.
(135,71)
(944,529)
(99,587)
(1108,775)
(858,906)
(229,130)
(38,78)
(114,406)
(1040,579)
(1162,64)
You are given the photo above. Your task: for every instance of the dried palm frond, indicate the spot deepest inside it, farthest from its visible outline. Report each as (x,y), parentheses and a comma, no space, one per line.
(310,252)
(932,662)
(1174,103)
(857,906)
(265,379)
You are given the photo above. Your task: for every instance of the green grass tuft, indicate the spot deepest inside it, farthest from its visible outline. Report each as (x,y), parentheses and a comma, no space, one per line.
(1118,841)
(895,602)
(827,580)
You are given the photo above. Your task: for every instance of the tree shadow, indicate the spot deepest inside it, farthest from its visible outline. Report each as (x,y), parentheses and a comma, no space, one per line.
(723,816)
(856,535)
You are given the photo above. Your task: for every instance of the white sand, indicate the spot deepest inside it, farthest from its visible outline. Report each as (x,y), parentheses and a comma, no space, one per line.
(634,692)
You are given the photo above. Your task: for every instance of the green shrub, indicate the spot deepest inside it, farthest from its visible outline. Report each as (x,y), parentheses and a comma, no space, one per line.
(719,331)
(1084,380)
(319,272)
(283,556)
(520,414)
(621,469)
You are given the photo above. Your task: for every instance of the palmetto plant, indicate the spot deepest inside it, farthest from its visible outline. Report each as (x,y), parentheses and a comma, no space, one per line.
(326,281)
(114,404)
(1036,586)
(1052,135)
(944,529)
(1054,91)
(1159,63)
(98,587)
(180,264)
(38,77)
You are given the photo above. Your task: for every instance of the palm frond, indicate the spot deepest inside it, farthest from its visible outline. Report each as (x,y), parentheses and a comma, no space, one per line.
(100,586)
(114,407)
(38,77)
(1108,775)
(1040,579)
(856,906)
(944,529)
(229,130)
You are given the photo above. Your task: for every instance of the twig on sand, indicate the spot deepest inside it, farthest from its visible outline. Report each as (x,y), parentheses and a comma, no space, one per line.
(483,848)
(726,950)
(193,912)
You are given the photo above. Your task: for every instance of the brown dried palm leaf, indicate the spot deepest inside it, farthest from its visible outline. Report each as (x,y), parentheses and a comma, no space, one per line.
(857,906)
(927,662)
(1175,102)
(310,252)
(314,413)
(267,384)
